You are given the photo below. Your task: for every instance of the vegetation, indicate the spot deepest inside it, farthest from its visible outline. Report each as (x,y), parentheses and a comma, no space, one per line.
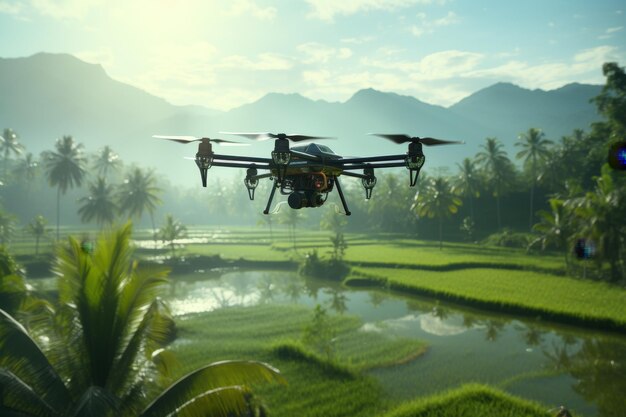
(105,347)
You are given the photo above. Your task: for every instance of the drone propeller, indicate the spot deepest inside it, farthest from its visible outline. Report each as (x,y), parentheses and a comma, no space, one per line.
(399,138)
(266,135)
(189,139)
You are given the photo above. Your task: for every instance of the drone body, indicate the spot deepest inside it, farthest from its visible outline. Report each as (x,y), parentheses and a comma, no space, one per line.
(307,173)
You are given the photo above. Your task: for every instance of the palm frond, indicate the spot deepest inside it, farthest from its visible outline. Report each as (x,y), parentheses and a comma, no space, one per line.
(95,402)
(219,402)
(22,356)
(19,396)
(208,379)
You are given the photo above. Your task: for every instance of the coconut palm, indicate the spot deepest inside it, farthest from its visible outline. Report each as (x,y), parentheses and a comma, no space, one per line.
(37,228)
(105,352)
(9,144)
(65,167)
(555,228)
(467,183)
(439,202)
(27,168)
(138,194)
(496,164)
(99,204)
(172,230)
(534,150)
(601,213)
(106,160)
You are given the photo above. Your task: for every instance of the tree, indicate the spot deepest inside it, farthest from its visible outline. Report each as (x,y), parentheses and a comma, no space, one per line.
(611,102)
(105,349)
(37,228)
(172,230)
(495,162)
(138,194)
(7,226)
(106,160)
(467,183)
(27,168)
(555,228)
(439,202)
(99,204)
(534,150)
(601,213)
(65,168)
(9,144)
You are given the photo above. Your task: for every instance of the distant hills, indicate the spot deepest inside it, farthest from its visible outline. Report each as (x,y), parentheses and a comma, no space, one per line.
(46,96)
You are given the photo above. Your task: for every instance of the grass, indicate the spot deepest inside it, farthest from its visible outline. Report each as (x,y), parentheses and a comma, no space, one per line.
(271,333)
(470,400)
(515,291)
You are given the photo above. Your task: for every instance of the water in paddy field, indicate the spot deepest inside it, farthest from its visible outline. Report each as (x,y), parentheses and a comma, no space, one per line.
(582,369)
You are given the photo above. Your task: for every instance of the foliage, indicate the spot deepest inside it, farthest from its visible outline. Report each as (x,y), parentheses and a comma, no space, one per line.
(172,230)
(470,399)
(339,246)
(7,226)
(319,335)
(13,289)
(508,239)
(438,202)
(106,160)
(318,267)
(9,144)
(468,227)
(105,347)
(99,204)
(65,168)
(37,227)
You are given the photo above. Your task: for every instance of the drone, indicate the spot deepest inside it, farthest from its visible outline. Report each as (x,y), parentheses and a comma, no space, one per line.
(307,173)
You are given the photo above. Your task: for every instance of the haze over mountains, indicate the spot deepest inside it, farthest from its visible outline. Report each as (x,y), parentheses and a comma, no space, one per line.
(46,96)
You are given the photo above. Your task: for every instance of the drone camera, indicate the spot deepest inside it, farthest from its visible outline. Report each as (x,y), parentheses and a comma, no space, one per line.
(300,199)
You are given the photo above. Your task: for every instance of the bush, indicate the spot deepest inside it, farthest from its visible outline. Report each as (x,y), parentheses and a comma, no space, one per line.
(315,266)
(508,238)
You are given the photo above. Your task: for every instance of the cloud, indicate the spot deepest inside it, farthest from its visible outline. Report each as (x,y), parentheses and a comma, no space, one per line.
(10,7)
(328,9)
(104,57)
(263,62)
(244,7)
(65,9)
(426,26)
(315,53)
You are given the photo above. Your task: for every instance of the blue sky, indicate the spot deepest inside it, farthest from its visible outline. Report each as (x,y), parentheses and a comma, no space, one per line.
(223,54)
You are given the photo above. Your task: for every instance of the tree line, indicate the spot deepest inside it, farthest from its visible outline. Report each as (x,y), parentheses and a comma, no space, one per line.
(550,195)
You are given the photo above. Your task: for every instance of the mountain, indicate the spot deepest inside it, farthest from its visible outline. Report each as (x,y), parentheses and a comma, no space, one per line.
(46,96)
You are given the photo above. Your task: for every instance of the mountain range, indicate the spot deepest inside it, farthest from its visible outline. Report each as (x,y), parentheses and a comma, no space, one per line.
(46,96)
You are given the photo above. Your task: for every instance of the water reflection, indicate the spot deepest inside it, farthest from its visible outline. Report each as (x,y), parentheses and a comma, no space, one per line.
(555,365)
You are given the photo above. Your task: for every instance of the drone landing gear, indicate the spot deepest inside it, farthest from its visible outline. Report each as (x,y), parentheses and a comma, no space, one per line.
(269,201)
(343,199)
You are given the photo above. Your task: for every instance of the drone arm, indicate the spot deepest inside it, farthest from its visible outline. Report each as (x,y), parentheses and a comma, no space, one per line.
(241,158)
(235,165)
(353,174)
(371,159)
(387,165)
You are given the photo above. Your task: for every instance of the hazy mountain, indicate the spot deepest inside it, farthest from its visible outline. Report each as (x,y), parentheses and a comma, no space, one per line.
(48,95)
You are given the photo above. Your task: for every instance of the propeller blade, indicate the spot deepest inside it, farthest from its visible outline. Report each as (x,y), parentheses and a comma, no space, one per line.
(179,139)
(189,139)
(298,138)
(251,135)
(433,141)
(294,137)
(396,138)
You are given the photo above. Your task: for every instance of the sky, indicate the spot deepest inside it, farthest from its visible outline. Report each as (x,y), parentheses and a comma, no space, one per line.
(223,54)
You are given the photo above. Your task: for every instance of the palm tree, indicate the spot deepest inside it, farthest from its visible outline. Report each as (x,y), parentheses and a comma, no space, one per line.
(105,347)
(555,227)
(467,183)
(27,168)
(9,144)
(138,194)
(65,168)
(99,204)
(172,230)
(106,160)
(7,226)
(602,212)
(37,228)
(534,150)
(495,162)
(440,202)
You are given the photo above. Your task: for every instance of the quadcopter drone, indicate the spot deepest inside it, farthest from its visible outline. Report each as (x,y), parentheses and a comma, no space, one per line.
(307,173)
